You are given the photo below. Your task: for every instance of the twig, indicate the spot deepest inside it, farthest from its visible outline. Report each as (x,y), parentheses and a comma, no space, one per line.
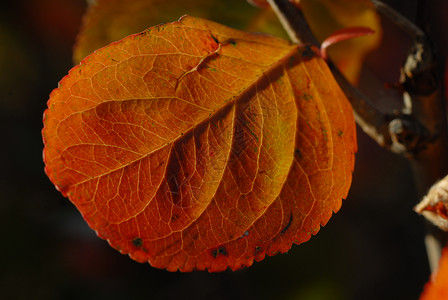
(372,121)
(419,131)
(294,22)
(433,250)
(428,139)
(399,20)
(423,90)
(408,132)
(424,104)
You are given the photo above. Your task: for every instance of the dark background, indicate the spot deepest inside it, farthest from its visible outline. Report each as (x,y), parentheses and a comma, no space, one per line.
(372,249)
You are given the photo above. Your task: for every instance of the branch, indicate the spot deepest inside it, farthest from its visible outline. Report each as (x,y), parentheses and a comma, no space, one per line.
(419,131)
(399,20)
(424,134)
(423,100)
(406,132)
(424,103)
(372,121)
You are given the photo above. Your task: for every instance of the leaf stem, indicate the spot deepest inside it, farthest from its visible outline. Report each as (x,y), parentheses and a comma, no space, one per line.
(372,121)
(419,131)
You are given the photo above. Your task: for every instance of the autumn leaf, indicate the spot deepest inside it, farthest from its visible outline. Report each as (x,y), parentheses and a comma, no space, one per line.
(437,287)
(195,146)
(107,21)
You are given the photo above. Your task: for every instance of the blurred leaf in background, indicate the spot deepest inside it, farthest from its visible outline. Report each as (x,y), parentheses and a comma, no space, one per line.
(108,21)
(327,16)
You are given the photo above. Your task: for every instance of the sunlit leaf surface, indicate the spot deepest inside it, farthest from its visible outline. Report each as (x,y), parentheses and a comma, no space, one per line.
(195,146)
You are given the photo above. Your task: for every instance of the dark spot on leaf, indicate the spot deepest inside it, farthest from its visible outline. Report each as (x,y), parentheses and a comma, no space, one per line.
(233,43)
(147,31)
(340,133)
(160,27)
(174,217)
(291,61)
(257,250)
(324,134)
(307,97)
(287,225)
(298,153)
(219,251)
(215,39)
(137,242)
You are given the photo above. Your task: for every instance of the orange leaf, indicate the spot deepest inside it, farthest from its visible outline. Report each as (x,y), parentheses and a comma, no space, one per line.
(195,146)
(437,287)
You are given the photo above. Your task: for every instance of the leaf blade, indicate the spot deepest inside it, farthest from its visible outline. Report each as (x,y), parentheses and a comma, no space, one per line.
(182,157)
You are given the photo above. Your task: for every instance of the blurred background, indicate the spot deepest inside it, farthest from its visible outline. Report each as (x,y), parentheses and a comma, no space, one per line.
(371,249)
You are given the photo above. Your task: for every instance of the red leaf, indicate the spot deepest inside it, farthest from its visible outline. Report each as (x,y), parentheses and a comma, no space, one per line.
(437,287)
(195,146)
